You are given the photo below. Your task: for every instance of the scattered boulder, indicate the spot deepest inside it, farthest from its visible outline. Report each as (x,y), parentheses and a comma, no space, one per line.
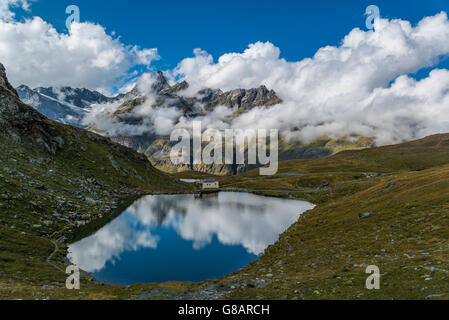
(389,186)
(47,287)
(364,215)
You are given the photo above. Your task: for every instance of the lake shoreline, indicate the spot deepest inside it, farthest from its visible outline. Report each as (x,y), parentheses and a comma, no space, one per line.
(91,228)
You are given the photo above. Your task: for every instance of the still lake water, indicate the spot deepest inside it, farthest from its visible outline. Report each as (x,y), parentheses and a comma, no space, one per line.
(180,238)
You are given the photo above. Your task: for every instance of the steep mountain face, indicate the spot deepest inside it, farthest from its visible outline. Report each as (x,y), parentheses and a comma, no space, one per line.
(22,124)
(159,153)
(65,105)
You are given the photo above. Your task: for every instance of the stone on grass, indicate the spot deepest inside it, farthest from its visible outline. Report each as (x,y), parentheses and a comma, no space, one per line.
(364,215)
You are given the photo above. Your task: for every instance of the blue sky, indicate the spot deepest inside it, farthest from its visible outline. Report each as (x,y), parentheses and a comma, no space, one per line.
(298,28)
(363,86)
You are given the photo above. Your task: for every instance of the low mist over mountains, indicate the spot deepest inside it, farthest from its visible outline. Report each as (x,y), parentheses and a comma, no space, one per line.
(147,116)
(71,105)
(205,100)
(143,118)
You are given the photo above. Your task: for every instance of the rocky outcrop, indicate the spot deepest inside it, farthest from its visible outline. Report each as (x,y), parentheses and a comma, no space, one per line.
(128,106)
(180,86)
(240,100)
(23,124)
(4,83)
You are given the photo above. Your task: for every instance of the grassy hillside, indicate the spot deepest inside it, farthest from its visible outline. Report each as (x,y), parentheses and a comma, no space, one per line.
(325,254)
(322,256)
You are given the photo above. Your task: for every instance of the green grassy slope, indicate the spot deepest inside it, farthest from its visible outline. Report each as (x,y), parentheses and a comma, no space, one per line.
(53,180)
(324,255)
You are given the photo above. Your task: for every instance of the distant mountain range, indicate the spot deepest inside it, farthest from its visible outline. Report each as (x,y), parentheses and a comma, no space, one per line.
(204,102)
(239,100)
(158,148)
(65,105)
(68,105)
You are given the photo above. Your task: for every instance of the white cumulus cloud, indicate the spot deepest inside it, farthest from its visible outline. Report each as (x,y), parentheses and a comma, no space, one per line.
(360,87)
(5,5)
(363,86)
(36,54)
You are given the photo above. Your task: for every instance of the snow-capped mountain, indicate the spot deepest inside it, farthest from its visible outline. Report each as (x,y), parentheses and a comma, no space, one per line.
(66,105)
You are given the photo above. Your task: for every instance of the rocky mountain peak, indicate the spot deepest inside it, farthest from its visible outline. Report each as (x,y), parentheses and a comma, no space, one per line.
(161,82)
(240,99)
(172,90)
(4,81)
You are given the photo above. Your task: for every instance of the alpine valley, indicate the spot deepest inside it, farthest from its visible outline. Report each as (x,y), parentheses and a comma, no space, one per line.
(60,183)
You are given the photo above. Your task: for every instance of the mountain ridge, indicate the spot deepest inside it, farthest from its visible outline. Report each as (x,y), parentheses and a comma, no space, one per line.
(236,99)
(157,147)
(66,105)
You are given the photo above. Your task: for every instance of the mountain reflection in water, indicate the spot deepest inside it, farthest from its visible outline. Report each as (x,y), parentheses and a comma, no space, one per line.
(180,238)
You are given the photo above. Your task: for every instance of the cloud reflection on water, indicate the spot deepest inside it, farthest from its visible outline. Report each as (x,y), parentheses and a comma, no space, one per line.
(251,221)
